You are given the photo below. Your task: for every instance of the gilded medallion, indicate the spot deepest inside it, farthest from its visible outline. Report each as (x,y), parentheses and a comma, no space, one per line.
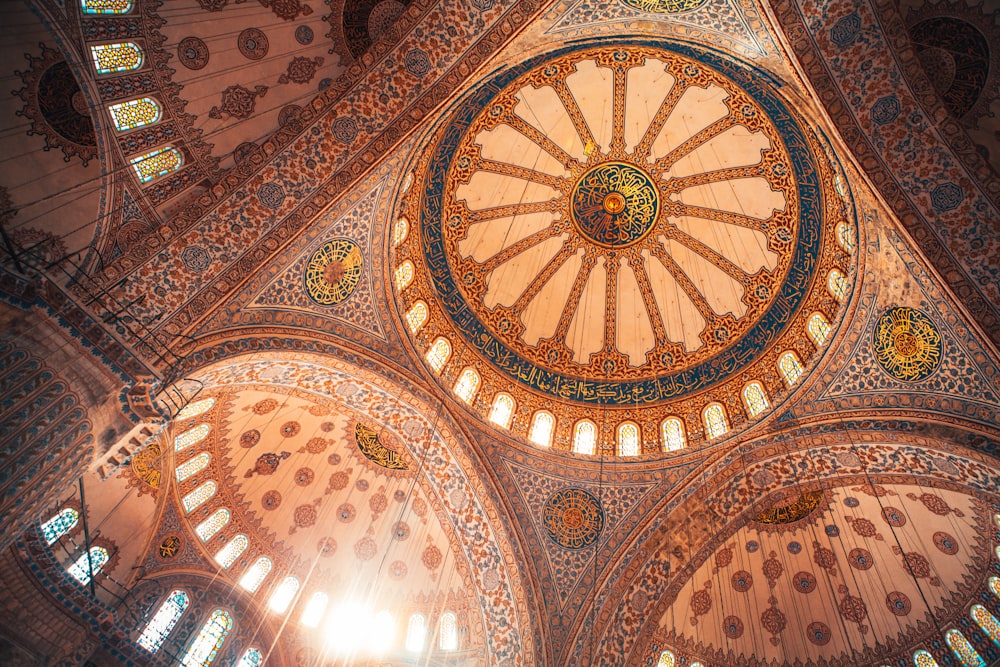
(907,344)
(333,272)
(665,6)
(573,518)
(614,204)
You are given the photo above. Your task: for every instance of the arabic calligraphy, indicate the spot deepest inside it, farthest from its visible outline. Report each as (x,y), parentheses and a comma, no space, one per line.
(907,344)
(369,444)
(615,204)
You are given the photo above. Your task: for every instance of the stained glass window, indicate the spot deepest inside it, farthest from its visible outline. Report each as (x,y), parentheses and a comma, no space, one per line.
(400,231)
(194,409)
(584,437)
(836,282)
(60,524)
(845,236)
(666,659)
(438,354)
(163,621)
(213,524)
(697,664)
(283,594)
(115,58)
(924,659)
(199,495)
(790,367)
(314,610)
(157,163)
(995,585)
(467,385)
(135,113)
(80,570)
(754,398)
(106,6)
(541,428)
(252,658)
(415,631)
(416,316)
(404,275)
(715,420)
(192,466)
(191,437)
(502,411)
(987,621)
(628,439)
(234,548)
(206,645)
(448,640)
(818,329)
(963,650)
(672,432)
(255,576)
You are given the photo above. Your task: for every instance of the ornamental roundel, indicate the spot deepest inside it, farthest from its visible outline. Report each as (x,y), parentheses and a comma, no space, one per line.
(573,518)
(664,6)
(333,272)
(907,344)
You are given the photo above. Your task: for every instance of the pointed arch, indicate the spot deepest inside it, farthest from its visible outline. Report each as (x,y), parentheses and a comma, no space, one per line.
(163,621)
(502,412)
(542,426)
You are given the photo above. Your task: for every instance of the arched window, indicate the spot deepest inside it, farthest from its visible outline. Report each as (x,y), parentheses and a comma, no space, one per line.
(922,658)
(255,576)
(314,610)
(818,328)
(81,569)
(106,6)
(206,645)
(252,658)
(697,664)
(163,621)
(416,629)
(157,163)
(199,495)
(987,621)
(400,230)
(502,411)
(191,437)
(283,595)
(994,583)
(845,236)
(628,439)
(542,426)
(228,554)
(416,316)
(438,354)
(754,398)
(836,282)
(790,367)
(584,437)
(714,417)
(60,524)
(962,649)
(404,275)
(116,58)
(194,409)
(213,524)
(192,466)
(135,113)
(666,660)
(672,433)
(448,639)
(467,385)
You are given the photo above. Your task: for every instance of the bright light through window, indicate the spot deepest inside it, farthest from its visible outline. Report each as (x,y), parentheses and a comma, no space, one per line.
(584,437)
(503,410)
(314,610)
(541,429)
(283,595)
(416,630)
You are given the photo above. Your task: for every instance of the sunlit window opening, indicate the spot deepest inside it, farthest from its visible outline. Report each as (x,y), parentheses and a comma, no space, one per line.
(213,524)
(80,570)
(416,630)
(790,367)
(252,658)
(818,328)
(754,398)
(228,554)
(400,230)
(542,426)
(439,354)
(191,437)
(714,417)
(584,437)
(283,595)
(467,385)
(157,163)
(255,576)
(60,524)
(206,645)
(135,113)
(416,316)
(194,409)
(845,236)
(628,439)
(987,621)
(163,621)
(195,498)
(836,282)
(666,659)
(192,466)
(502,412)
(962,649)
(672,433)
(116,58)
(924,659)
(404,275)
(448,640)
(106,6)
(994,583)
(314,609)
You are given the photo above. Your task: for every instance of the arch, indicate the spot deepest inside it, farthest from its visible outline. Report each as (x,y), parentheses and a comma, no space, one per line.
(818,328)
(135,113)
(845,236)
(584,437)
(251,658)
(994,584)
(213,524)
(313,612)
(228,554)
(105,6)
(416,316)
(156,163)
(714,417)
(163,621)
(403,275)
(923,658)
(193,466)
(502,412)
(987,621)
(283,595)
(194,409)
(400,230)
(542,426)
(60,524)
(672,434)
(836,283)
(81,569)
(628,439)
(962,649)
(666,660)
(205,647)
(116,58)
(416,630)
(256,574)
(754,398)
(191,437)
(791,368)
(467,385)
(448,632)
(439,354)
(195,498)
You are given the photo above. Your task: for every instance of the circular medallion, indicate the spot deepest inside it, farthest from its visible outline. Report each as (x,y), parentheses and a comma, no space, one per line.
(192,53)
(907,344)
(334,271)
(252,44)
(614,204)
(573,518)
(664,6)
(169,547)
